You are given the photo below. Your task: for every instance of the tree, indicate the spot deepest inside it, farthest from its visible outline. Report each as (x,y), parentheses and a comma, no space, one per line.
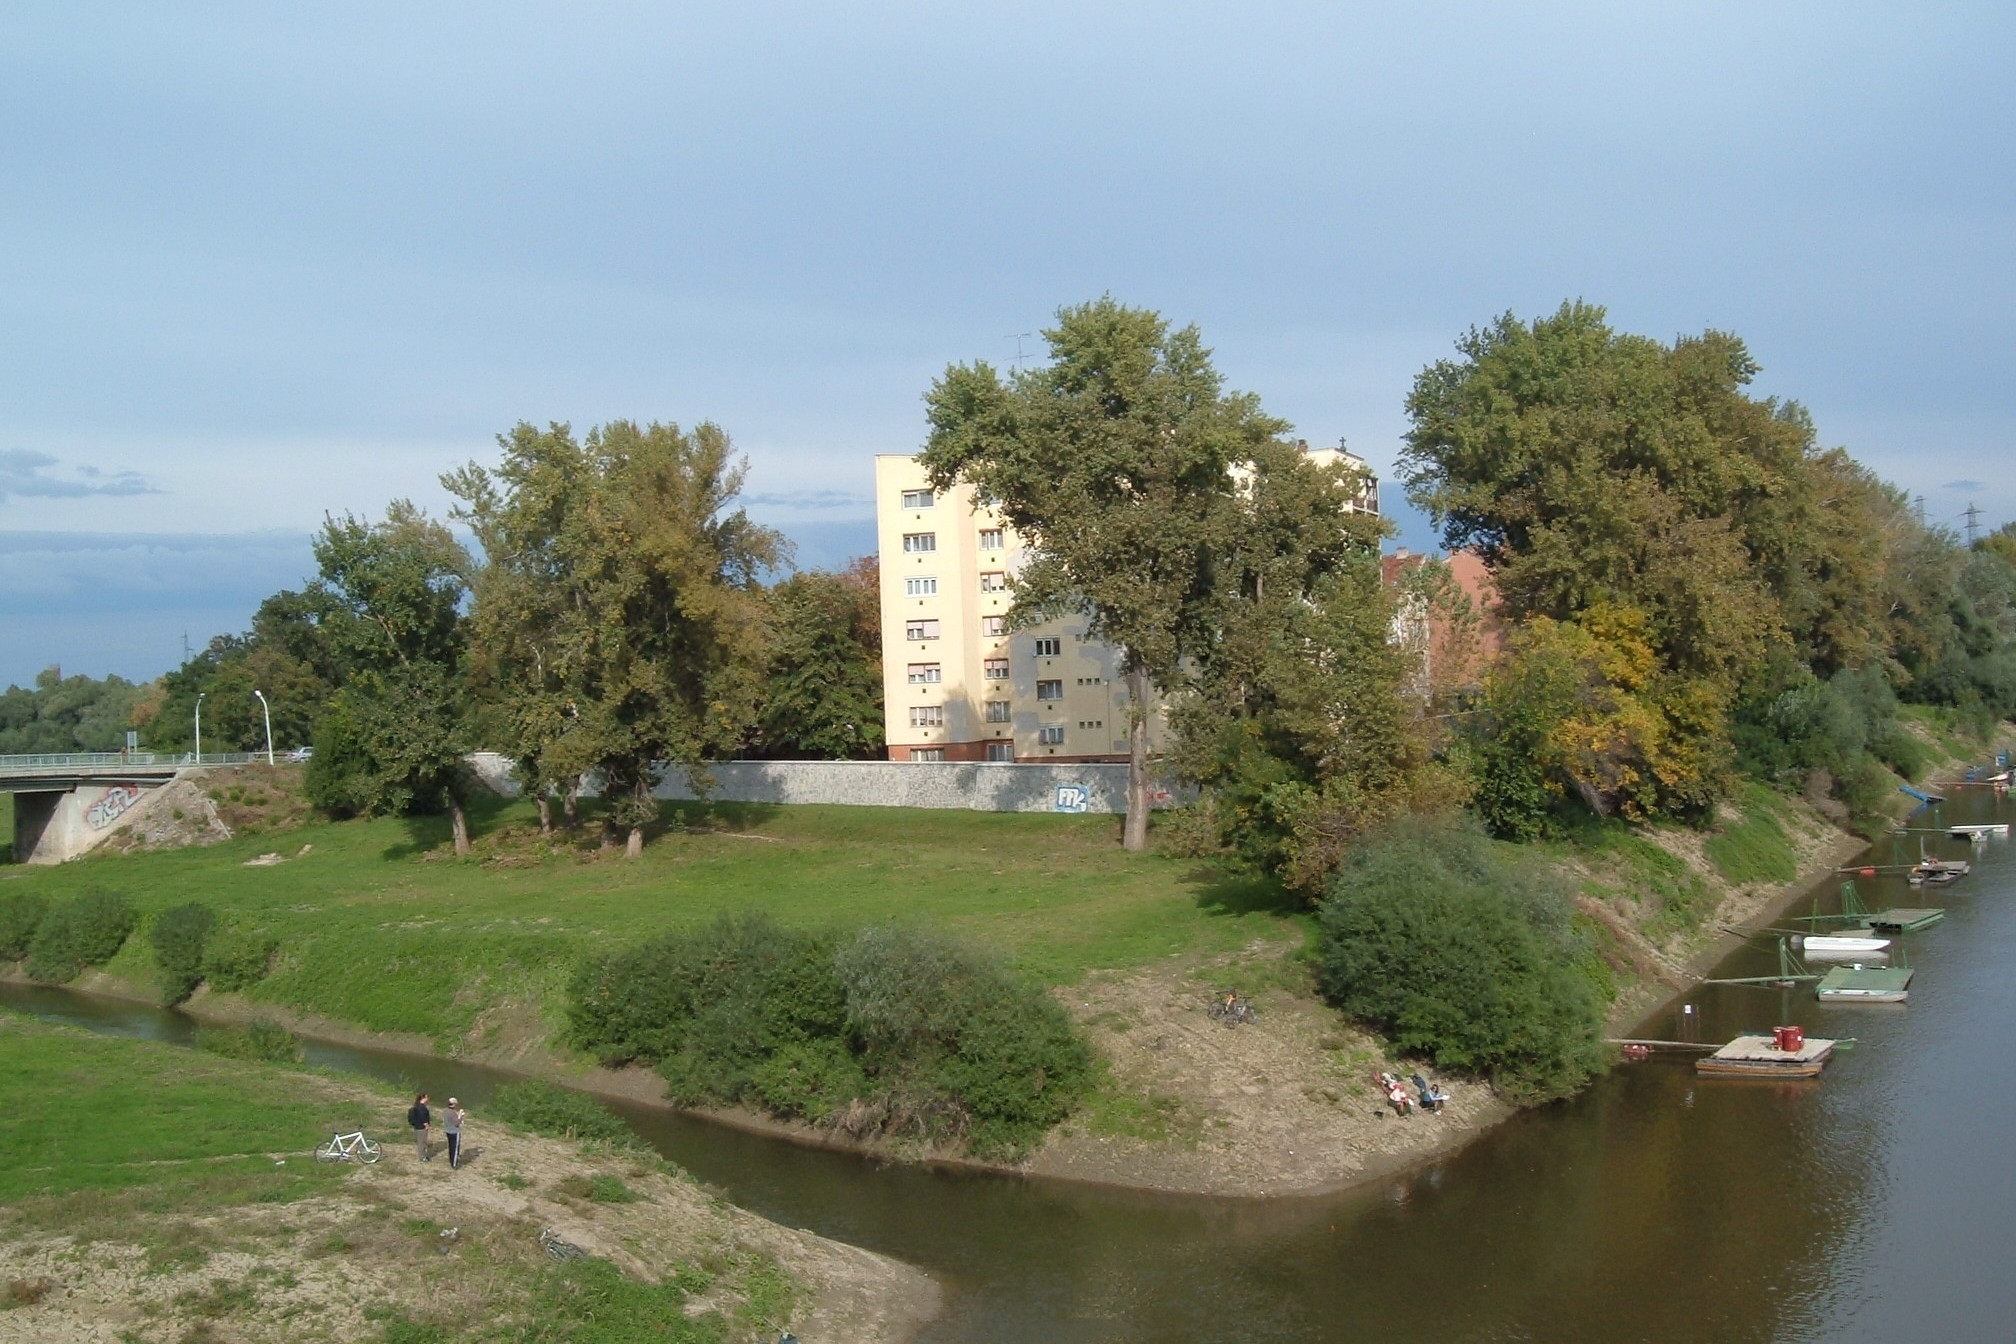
(822,696)
(1298,724)
(395,592)
(288,654)
(1113,463)
(620,604)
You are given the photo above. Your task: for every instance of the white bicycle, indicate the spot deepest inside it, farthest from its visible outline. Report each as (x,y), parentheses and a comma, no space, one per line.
(347,1148)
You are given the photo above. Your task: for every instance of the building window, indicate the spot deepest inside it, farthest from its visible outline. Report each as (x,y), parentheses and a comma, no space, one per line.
(1091,723)
(994,669)
(990,538)
(920,587)
(1049,648)
(1000,751)
(994,626)
(920,629)
(1050,690)
(927,716)
(917,499)
(925,674)
(1051,736)
(920,542)
(993,581)
(997,711)
(927,753)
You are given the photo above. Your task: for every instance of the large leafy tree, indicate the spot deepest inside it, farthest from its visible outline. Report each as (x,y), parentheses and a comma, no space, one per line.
(1298,723)
(822,696)
(288,654)
(620,609)
(401,724)
(1114,464)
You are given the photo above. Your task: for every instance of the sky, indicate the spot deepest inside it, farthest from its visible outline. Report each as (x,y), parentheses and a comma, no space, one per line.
(263,263)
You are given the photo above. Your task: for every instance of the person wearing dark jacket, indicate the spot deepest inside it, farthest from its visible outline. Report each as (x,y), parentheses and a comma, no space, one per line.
(420,1118)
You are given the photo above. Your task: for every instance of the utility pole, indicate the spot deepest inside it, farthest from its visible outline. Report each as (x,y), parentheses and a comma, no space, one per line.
(1973,517)
(199,726)
(1018,338)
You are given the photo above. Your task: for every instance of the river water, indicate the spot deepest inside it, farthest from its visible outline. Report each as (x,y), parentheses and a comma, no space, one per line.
(1875,1204)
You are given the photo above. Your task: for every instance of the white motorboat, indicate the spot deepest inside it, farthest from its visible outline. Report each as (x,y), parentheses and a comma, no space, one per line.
(1834,946)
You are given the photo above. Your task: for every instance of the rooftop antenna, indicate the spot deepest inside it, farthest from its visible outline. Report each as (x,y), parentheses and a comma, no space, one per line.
(1973,517)
(1018,338)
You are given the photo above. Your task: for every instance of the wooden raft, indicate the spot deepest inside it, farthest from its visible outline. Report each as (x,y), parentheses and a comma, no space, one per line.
(1759,1057)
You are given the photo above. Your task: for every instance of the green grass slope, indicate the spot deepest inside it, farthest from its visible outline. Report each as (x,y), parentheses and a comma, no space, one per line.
(378,926)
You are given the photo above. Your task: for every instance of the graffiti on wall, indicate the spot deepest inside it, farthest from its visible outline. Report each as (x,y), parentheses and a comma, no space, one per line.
(111,805)
(1073,798)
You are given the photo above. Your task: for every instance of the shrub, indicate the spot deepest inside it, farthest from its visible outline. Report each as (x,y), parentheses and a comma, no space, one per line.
(899,1031)
(1436,936)
(260,1039)
(554,1111)
(178,936)
(237,959)
(87,931)
(21,913)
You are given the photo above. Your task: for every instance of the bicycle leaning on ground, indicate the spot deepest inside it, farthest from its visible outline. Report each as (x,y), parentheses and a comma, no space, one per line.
(347,1148)
(1230,1009)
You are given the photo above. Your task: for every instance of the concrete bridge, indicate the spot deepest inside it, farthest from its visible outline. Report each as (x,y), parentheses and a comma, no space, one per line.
(66,804)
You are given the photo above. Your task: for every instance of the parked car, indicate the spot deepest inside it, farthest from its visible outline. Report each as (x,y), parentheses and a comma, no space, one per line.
(301,754)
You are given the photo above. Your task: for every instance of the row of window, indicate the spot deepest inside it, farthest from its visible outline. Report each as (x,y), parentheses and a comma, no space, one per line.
(933,716)
(926,543)
(926,585)
(1048,647)
(931,674)
(996,751)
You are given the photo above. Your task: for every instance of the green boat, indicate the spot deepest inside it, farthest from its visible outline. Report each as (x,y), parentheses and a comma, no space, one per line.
(1865,984)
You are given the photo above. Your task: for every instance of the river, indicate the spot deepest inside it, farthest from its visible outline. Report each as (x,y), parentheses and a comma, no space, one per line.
(1872,1205)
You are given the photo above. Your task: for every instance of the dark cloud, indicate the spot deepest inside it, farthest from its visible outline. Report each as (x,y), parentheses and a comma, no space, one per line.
(811,499)
(25,473)
(1965,485)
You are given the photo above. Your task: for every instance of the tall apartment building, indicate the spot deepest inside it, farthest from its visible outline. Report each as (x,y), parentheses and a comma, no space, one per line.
(956,685)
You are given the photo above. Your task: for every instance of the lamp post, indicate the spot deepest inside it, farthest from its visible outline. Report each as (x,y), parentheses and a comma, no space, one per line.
(199,726)
(267,710)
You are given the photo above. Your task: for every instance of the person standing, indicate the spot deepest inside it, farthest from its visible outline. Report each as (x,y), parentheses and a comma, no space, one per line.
(421,1119)
(451,1125)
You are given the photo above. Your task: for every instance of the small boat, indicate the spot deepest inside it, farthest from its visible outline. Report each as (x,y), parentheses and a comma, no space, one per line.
(1835,947)
(1981,832)
(1865,984)
(1938,872)
(1920,794)
(1760,1057)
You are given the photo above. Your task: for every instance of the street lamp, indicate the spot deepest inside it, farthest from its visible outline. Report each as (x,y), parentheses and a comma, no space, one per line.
(267,710)
(199,726)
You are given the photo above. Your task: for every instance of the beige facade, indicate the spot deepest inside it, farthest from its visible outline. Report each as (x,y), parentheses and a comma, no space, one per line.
(956,686)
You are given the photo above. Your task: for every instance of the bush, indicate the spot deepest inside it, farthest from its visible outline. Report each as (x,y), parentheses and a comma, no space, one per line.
(899,1031)
(87,931)
(21,913)
(179,936)
(236,960)
(555,1112)
(1437,937)
(261,1039)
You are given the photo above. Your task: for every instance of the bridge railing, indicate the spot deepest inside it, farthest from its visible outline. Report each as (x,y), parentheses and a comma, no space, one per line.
(85,760)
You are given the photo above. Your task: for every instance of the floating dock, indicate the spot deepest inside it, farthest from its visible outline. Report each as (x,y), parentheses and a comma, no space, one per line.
(1904,919)
(1865,984)
(1760,1057)
(1981,832)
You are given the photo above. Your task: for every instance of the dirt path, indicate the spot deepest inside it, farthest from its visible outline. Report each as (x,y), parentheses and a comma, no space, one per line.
(1281,1106)
(333,1267)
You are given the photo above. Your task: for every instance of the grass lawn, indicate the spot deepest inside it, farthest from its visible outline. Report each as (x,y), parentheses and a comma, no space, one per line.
(378,925)
(167,1128)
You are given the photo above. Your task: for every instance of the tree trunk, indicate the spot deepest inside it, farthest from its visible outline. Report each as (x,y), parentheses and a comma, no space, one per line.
(570,807)
(634,847)
(459,820)
(545,814)
(1135,834)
